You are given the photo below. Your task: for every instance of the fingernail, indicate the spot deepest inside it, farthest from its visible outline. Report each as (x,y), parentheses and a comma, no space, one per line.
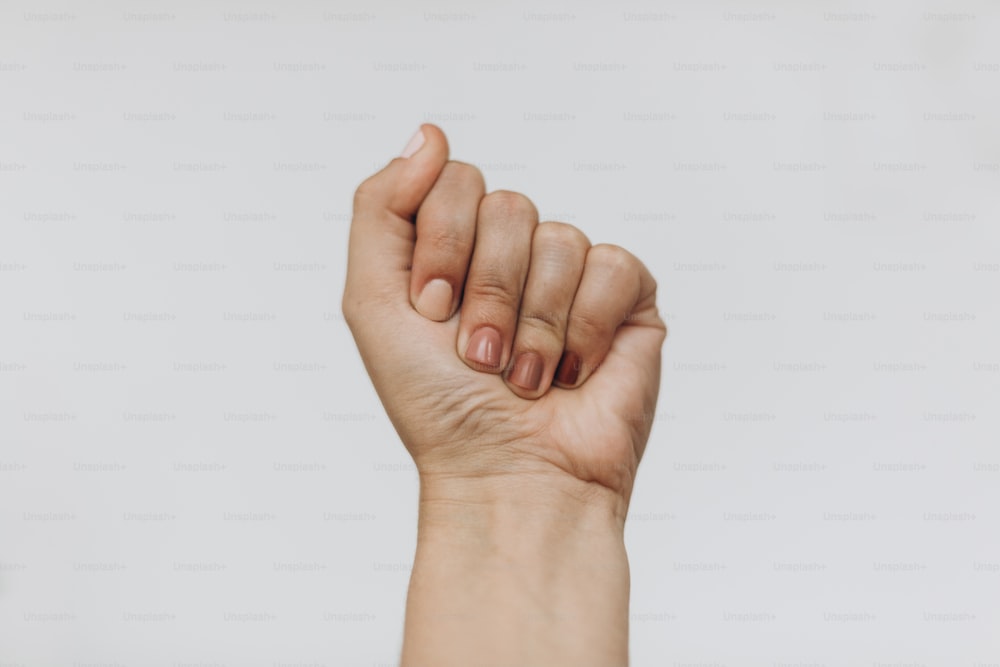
(484,347)
(415,143)
(527,373)
(569,368)
(434,301)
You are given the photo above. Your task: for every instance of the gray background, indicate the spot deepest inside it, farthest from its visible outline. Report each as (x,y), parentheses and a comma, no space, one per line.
(194,469)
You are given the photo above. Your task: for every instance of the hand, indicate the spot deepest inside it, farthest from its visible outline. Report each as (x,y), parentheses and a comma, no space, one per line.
(520,366)
(499,346)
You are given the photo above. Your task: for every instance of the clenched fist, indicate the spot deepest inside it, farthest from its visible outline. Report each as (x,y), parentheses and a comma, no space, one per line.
(498,345)
(520,365)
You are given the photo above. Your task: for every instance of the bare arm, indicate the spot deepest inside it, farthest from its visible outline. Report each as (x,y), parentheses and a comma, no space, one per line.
(519,574)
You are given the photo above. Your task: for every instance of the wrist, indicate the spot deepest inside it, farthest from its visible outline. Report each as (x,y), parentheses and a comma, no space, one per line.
(537,557)
(522,502)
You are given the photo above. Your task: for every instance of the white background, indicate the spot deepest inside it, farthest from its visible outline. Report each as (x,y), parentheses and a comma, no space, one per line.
(194,469)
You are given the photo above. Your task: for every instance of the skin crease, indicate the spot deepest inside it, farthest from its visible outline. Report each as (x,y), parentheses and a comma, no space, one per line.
(504,479)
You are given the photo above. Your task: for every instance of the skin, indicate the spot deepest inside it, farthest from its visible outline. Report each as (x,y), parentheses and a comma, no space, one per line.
(526,458)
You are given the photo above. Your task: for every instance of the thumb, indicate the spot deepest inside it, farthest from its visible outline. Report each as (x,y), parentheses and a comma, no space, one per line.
(382,231)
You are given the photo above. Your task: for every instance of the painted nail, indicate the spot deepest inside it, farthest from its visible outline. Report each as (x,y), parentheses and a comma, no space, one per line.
(434,301)
(484,347)
(527,373)
(415,143)
(569,368)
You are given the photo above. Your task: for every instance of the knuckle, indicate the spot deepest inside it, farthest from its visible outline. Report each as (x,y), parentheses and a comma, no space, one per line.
(464,173)
(508,204)
(612,257)
(447,238)
(492,288)
(560,234)
(589,326)
(366,188)
(364,195)
(549,323)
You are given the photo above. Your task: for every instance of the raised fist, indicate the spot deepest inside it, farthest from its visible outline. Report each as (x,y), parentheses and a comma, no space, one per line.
(503,349)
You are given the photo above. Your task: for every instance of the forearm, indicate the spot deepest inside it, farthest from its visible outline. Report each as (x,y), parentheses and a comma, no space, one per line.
(518,573)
